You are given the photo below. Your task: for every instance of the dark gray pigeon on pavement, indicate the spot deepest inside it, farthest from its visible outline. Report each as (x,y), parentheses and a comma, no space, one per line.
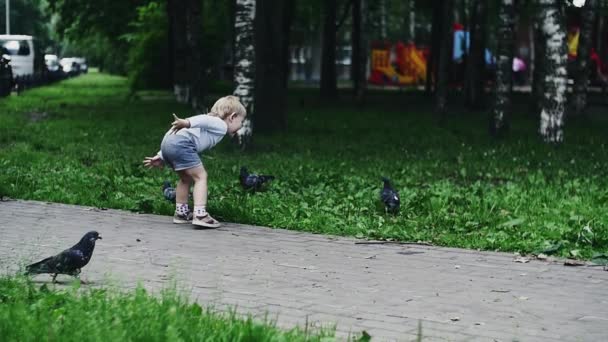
(390,197)
(168,191)
(69,261)
(251,181)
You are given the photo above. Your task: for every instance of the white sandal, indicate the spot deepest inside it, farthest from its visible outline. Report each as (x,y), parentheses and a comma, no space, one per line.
(206,221)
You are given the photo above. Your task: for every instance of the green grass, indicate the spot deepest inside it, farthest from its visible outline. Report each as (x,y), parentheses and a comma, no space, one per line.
(458,186)
(37,313)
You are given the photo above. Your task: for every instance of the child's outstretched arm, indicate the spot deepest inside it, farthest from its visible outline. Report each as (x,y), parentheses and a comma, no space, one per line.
(156,161)
(178,124)
(210,123)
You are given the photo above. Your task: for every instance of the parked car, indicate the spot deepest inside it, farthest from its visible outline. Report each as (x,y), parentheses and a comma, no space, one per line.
(84,68)
(52,63)
(6,73)
(20,48)
(70,66)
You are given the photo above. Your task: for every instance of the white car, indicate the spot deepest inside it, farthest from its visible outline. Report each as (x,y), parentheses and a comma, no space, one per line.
(83,64)
(51,62)
(20,48)
(69,65)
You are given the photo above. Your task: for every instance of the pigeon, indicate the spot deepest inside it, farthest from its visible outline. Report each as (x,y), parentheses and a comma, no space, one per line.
(168,191)
(251,181)
(69,261)
(390,197)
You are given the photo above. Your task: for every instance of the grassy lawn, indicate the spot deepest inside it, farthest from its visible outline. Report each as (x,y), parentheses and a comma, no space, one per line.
(82,142)
(34,313)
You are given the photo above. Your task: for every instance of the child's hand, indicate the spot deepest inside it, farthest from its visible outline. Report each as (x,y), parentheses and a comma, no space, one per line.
(153,162)
(179,124)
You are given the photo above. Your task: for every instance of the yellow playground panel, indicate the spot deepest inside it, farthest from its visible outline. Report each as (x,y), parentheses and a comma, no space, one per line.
(408,68)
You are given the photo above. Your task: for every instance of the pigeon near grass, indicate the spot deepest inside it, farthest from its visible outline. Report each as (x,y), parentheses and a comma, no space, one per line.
(251,181)
(168,191)
(69,261)
(390,197)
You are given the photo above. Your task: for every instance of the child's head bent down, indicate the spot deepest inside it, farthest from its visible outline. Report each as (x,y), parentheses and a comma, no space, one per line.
(229,109)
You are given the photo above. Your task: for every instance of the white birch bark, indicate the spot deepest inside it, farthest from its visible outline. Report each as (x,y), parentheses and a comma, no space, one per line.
(555,76)
(244,65)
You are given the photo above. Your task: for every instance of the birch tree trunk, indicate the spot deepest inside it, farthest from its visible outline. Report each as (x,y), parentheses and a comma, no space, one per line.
(582,59)
(244,66)
(551,20)
(504,70)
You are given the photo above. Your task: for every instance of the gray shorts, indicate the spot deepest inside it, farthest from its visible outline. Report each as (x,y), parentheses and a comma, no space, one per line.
(179,152)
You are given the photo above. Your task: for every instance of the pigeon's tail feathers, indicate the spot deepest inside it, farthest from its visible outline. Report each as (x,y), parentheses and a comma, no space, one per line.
(166,184)
(41,266)
(244,171)
(265,178)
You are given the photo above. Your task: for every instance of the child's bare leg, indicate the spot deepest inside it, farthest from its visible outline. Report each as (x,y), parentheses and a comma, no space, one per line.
(182,212)
(183,187)
(199,176)
(201,217)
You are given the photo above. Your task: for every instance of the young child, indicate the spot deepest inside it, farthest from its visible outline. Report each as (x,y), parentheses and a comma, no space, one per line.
(180,148)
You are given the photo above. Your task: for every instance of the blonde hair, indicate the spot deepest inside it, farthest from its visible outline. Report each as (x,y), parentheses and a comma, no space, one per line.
(226,106)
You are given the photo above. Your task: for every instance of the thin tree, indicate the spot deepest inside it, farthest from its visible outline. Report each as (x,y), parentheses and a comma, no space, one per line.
(244,65)
(475,68)
(357,49)
(176,11)
(551,18)
(410,20)
(433,59)
(504,71)
(538,64)
(582,59)
(271,41)
(194,60)
(329,88)
(444,58)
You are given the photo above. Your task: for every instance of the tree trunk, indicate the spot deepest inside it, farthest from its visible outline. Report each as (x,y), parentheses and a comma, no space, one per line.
(193,61)
(244,65)
(504,69)
(383,19)
(329,88)
(538,83)
(555,80)
(410,20)
(476,62)
(445,55)
(177,18)
(582,59)
(288,15)
(356,47)
(433,59)
(270,89)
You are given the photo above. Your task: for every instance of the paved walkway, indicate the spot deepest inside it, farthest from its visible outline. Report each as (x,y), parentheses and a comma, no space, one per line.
(457,295)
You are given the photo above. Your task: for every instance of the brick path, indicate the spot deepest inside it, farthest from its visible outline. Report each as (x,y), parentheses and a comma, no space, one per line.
(457,295)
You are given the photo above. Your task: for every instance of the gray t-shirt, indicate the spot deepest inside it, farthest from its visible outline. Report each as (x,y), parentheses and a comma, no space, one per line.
(205,131)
